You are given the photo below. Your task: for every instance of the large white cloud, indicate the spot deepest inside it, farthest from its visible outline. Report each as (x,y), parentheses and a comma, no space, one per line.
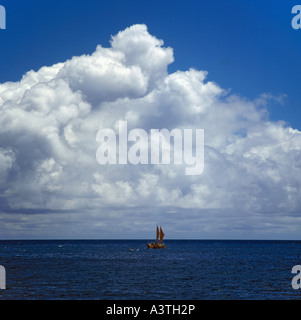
(50,177)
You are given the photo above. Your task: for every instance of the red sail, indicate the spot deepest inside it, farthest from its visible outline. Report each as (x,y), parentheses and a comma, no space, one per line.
(161,234)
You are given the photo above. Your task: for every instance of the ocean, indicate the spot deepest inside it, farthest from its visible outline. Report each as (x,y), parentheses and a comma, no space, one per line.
(127,270)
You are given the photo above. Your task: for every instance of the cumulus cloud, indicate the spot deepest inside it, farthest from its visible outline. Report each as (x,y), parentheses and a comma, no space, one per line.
(50,177)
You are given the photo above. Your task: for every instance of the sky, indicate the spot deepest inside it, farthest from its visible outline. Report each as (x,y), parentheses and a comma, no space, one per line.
(69,69)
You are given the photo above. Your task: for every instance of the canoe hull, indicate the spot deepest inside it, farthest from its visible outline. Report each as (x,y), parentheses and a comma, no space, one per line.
(156,245)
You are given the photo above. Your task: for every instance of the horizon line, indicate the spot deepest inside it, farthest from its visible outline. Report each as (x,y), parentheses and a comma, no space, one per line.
(145,239)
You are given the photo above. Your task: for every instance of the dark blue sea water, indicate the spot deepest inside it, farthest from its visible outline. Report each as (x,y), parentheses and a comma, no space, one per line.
(108,270)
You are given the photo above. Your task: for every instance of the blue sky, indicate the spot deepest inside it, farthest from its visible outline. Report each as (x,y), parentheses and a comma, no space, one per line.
(82,80)
(248,46)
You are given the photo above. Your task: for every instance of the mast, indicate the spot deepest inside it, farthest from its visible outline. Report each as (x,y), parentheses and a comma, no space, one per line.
(157,237)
